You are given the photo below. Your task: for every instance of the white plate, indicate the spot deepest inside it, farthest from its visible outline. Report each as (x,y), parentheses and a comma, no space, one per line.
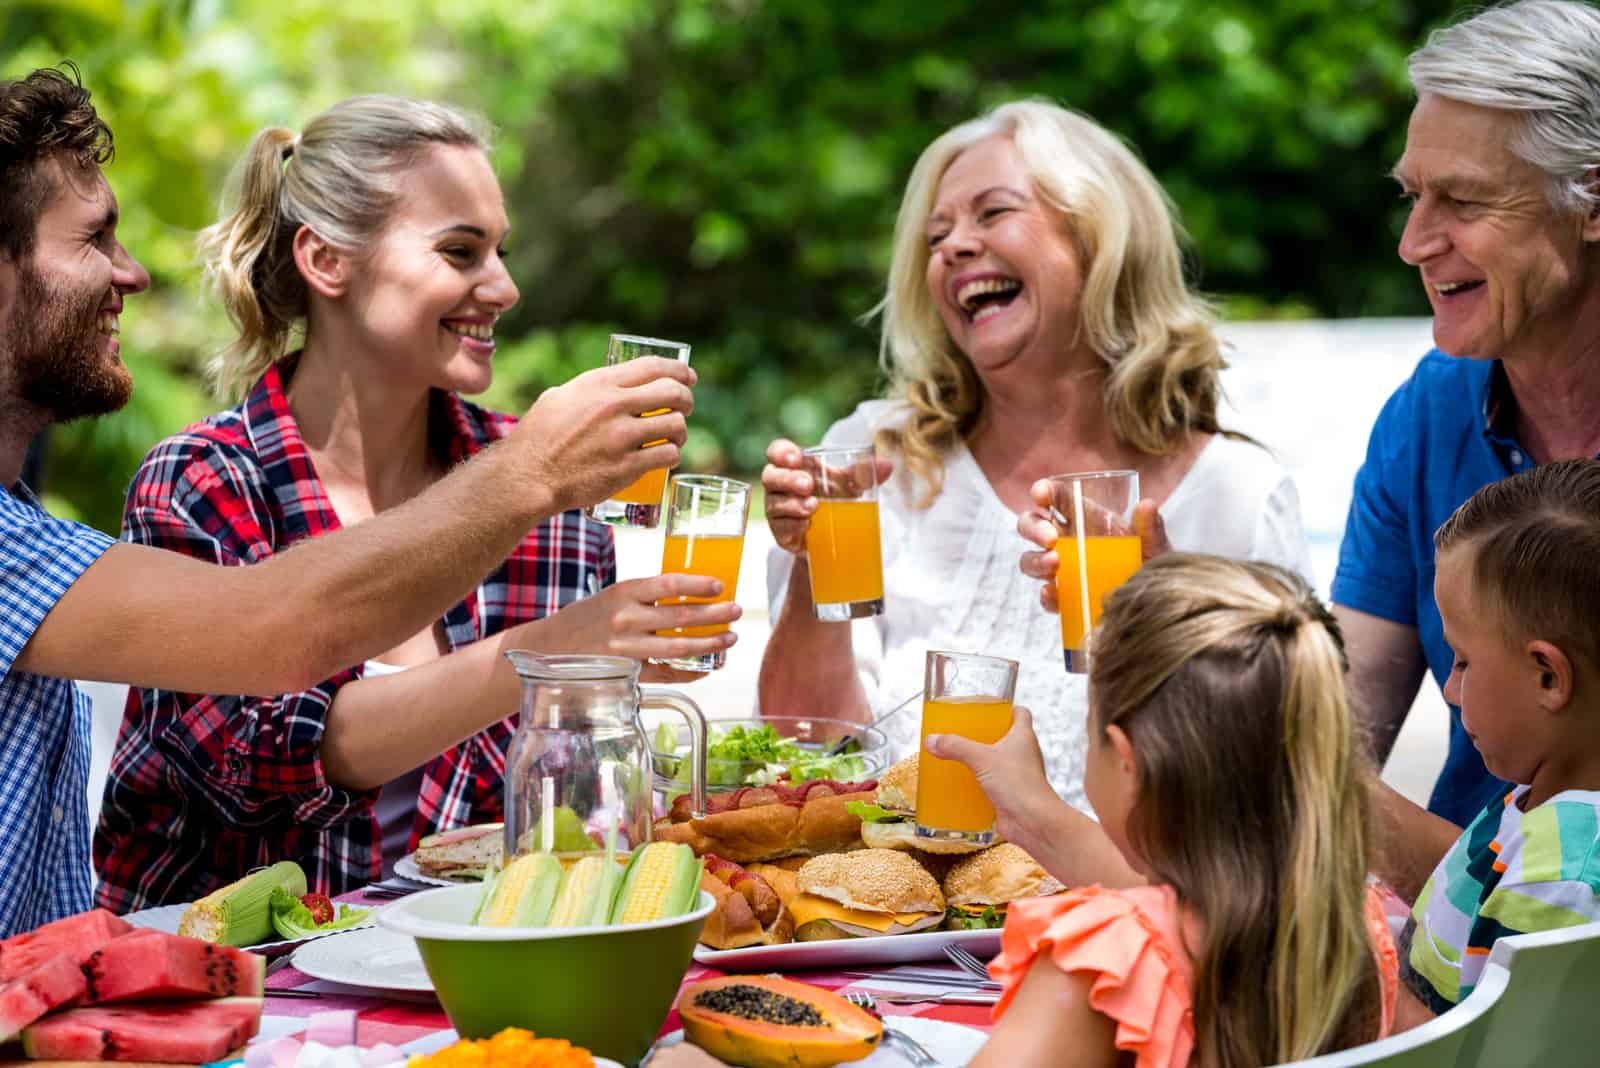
(952,1044)
(406,868)
(849,952)
(166,917)
(370,957)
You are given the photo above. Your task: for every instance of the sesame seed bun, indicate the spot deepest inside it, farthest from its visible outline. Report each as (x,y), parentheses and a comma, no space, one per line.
(897,787)
(996,876)
(872,880)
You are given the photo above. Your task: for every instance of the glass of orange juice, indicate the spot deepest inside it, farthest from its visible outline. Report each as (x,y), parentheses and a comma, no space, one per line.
(638,505)
(705,536)
(969,695)
(843,547)
(1097,550)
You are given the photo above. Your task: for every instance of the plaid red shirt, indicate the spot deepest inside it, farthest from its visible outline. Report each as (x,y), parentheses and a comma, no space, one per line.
(204,788)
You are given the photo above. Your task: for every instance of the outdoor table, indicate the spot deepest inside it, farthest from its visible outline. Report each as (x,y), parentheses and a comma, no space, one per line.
(417,1023)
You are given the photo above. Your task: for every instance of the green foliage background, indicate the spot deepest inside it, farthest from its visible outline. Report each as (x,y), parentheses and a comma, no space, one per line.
(727,171)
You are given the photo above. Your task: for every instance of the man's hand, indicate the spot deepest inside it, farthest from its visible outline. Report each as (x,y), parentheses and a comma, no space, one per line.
(789,488)
(586,439)
(1037,527)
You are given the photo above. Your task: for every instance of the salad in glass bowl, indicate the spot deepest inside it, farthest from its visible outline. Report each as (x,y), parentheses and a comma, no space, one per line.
(759,752)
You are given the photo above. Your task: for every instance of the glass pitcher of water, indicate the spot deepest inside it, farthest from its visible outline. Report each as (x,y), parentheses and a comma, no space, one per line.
(579,763)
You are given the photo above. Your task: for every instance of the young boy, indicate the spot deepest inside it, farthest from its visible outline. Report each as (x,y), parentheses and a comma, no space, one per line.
(1518,589)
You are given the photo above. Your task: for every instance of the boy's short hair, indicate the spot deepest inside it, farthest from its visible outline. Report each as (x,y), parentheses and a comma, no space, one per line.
(1535,543)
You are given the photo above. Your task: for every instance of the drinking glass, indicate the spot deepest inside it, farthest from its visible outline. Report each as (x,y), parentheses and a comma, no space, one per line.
(1097,550)
(705,536)
(638,505)
(969,695)
(842,543)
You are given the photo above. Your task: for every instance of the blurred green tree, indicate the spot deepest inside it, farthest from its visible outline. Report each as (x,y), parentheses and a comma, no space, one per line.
(727,171)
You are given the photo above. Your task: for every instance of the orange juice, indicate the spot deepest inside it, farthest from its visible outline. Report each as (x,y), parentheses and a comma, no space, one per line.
(948,795)
(646,490)
(1112,560)
(845,552)
(716,555)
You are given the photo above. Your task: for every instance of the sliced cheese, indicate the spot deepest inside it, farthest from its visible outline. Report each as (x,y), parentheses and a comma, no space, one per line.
(807,907)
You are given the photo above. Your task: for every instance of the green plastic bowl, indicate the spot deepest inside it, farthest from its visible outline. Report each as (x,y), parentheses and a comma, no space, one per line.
(607,989)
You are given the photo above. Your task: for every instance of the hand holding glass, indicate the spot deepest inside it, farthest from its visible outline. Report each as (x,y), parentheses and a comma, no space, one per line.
(1097,550)
(968,695)
(638,505)
(843,546)
(705,536)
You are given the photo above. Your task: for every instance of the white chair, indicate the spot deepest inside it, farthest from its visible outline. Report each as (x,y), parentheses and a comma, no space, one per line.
(1535,1005)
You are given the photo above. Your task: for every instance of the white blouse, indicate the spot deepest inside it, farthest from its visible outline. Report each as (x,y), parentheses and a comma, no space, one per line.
(951,580)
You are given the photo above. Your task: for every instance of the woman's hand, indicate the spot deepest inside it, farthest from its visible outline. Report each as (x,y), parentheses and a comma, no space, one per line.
(789,488)
(622,620)
(1011,772)
(1037,527)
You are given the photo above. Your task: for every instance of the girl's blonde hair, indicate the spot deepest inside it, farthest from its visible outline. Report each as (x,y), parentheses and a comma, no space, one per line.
(341,177)
(1228,678)
(1155,336)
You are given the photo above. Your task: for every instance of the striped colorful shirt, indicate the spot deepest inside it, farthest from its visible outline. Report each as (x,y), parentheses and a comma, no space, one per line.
(1510,872)
(44,723)
(203,788)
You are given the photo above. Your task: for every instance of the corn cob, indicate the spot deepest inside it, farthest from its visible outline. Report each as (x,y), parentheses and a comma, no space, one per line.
(523,893)
(580,887)
(238,914)
(662,880)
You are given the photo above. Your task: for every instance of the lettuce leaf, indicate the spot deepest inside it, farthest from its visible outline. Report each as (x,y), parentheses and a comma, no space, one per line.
(870,813)
(966,921)
(291,919)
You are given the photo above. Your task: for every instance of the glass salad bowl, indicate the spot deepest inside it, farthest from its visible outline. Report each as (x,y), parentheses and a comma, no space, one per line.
(758,752)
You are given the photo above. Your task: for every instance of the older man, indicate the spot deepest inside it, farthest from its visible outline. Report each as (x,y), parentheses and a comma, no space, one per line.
(1500,167)
(75,604)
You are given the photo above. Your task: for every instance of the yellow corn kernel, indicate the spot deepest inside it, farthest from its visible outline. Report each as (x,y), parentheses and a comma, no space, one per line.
(523,893)
(647,888)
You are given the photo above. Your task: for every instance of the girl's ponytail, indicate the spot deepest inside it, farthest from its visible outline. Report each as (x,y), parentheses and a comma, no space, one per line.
(1322,945)
(248,256)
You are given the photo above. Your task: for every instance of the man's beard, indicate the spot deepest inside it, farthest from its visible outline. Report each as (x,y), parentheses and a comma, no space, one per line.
(57,353)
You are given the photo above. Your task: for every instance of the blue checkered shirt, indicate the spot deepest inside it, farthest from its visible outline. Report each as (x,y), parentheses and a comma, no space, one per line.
(44,723)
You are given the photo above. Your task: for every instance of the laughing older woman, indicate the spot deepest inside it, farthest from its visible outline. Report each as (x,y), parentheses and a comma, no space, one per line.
(1036,321)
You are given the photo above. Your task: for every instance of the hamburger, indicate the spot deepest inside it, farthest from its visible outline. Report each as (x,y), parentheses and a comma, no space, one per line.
(890,822)
(864,892)
(978,888)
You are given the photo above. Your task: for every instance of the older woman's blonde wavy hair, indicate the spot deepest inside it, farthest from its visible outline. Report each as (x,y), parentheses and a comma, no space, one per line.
(1155,336)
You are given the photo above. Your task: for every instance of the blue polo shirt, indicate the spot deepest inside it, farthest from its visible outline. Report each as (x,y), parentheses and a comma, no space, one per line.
(1446,433)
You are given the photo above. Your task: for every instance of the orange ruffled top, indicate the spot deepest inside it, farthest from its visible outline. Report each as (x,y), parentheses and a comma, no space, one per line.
(1132,942)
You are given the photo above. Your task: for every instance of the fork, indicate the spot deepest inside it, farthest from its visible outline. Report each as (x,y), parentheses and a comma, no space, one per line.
(871,999)
(966,961)
(914,1050)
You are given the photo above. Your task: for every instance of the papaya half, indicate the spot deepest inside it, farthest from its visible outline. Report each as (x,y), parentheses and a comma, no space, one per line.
(768,1022)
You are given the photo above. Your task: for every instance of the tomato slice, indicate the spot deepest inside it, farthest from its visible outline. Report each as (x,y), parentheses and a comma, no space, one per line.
(321,908)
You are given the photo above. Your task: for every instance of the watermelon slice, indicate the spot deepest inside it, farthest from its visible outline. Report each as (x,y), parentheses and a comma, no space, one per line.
(53,983)
(76,936)
(184,1033)
(149,965)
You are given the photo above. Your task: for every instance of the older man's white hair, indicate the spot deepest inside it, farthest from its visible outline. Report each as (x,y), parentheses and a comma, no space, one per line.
(1540,58)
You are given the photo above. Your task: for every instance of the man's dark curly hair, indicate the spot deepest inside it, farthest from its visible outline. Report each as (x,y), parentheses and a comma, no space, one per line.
(43,115)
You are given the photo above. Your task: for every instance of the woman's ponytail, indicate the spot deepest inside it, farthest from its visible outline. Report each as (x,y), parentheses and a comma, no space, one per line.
(248,256)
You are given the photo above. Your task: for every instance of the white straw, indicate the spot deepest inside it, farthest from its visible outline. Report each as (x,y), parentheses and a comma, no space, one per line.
(1083,564)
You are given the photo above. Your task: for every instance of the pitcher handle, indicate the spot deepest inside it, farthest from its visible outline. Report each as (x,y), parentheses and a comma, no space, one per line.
(658,697)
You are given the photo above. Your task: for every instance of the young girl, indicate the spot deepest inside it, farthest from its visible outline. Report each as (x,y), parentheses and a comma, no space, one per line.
(1224,767)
